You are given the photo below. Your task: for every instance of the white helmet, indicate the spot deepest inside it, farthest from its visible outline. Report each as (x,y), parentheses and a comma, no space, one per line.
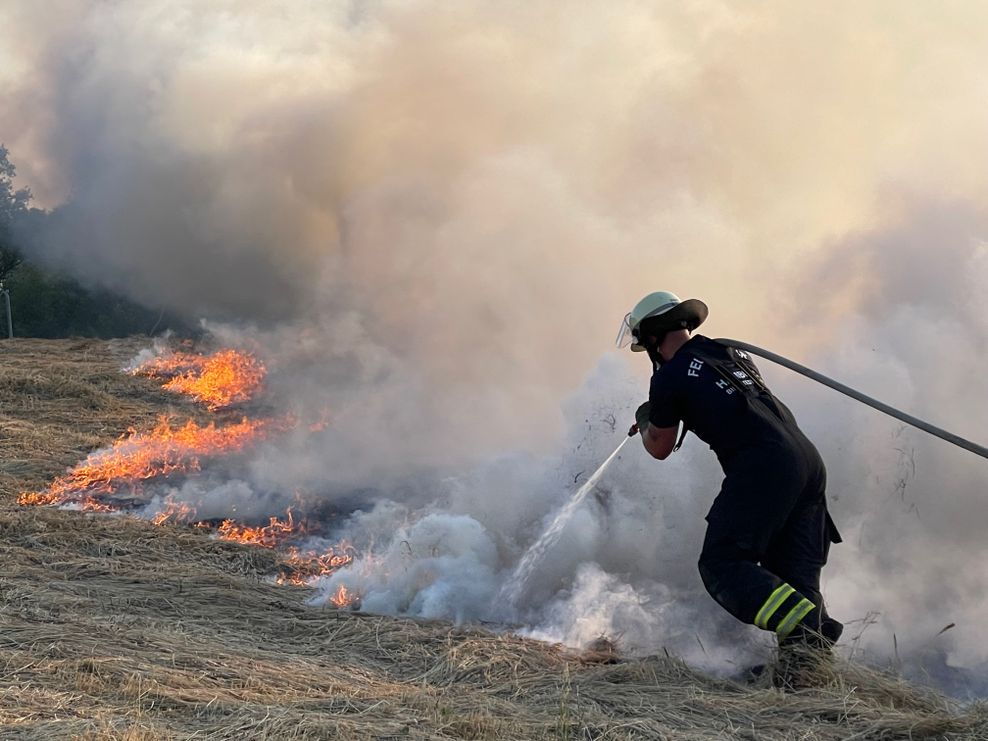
(676,314)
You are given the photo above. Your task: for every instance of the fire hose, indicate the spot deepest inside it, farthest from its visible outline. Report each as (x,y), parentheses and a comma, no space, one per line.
(848,391)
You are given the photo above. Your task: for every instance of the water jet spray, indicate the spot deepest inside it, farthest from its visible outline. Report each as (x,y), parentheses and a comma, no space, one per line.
(513,588)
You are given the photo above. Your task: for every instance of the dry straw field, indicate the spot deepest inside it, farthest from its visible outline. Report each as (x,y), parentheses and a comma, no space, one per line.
(112,627)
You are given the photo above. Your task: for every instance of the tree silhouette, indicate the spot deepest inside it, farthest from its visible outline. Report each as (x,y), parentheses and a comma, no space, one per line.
(13,203)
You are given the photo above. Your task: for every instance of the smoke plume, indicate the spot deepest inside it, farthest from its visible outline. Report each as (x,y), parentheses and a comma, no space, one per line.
(429,218)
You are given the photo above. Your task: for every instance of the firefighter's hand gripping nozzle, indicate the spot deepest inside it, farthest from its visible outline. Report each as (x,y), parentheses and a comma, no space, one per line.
(641,419)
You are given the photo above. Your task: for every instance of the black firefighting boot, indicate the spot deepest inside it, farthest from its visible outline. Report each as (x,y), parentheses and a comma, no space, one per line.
(831,629)
(792,651)
(805,654)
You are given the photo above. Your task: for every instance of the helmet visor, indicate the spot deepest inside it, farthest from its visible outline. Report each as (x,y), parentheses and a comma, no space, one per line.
(625,336)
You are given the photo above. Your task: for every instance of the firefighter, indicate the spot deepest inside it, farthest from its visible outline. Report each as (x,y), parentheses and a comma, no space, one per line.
(768,531)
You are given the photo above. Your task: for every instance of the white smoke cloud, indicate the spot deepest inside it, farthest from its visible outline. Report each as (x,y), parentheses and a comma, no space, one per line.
(428,218)
(442,566)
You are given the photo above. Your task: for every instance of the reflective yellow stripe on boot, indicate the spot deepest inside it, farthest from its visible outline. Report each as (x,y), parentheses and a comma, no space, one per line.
(772,604)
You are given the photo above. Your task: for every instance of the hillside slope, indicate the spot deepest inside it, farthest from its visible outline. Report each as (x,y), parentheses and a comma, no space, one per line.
(111,627)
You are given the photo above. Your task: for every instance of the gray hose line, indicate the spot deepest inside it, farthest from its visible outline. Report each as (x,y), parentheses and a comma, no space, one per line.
(875,404)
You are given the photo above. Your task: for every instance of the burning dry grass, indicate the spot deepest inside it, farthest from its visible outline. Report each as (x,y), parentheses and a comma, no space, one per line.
(218,380)
(115,628)
(114,478)
(140,456)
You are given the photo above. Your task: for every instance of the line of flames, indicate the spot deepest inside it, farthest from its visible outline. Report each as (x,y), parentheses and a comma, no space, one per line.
(219,380)
(138,457)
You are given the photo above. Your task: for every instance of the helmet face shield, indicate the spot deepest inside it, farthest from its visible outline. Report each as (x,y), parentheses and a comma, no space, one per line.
(624,336)
(628,335)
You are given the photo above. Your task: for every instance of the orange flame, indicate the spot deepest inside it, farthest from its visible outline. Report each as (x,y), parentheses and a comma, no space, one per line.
(146,455)
(321,423)
(37,498)
(89,504)
(268,536)
(174,512)
(219,380)
(298,566)
(344,598)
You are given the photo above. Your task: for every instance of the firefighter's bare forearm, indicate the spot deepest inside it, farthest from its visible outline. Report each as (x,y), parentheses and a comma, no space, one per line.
(659,441)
